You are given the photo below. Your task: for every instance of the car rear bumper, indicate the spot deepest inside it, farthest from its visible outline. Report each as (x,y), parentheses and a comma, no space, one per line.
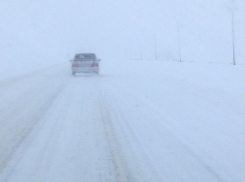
(85,70)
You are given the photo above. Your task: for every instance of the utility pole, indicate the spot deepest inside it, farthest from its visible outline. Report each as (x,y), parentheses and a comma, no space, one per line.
(179,41)
(140,50)
(232,8)
(233,37)
(155,40)
(125,54)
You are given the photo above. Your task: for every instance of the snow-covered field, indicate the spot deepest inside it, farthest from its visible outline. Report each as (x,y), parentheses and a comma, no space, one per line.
(138,121)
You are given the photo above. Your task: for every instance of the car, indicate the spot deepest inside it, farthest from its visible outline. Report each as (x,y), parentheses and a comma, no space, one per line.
(85,63)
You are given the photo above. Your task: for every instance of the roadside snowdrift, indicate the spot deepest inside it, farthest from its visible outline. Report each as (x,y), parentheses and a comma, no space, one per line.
(202,105)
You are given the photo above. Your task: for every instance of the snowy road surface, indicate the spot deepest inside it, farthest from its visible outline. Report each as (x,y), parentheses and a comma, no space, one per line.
(121,127)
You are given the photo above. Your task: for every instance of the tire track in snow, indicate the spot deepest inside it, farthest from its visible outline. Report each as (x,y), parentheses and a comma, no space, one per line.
(116,155)
(21,109)
(221,176)
(131,162)
(42,159)
(23,133)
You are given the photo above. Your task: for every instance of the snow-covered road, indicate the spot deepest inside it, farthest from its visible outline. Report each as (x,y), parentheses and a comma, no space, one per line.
(120,126)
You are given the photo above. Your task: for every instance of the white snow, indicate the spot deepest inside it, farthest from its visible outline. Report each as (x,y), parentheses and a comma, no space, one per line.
(137,121)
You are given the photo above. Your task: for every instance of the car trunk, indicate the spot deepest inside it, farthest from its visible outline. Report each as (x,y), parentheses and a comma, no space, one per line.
(85,63)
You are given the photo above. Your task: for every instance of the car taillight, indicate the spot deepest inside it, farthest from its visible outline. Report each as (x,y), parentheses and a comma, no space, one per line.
(75,64)
(95,64)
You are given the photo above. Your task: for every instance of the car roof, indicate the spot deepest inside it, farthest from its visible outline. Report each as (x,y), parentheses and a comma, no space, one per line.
(85,56)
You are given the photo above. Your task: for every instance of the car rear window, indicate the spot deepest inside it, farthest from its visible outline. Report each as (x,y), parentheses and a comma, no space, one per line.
(85,56)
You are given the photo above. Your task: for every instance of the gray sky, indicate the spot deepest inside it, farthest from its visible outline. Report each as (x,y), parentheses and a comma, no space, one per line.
(55,30)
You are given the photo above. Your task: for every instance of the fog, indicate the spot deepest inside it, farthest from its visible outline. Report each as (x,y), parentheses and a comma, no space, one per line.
(53,31)
(122,119)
